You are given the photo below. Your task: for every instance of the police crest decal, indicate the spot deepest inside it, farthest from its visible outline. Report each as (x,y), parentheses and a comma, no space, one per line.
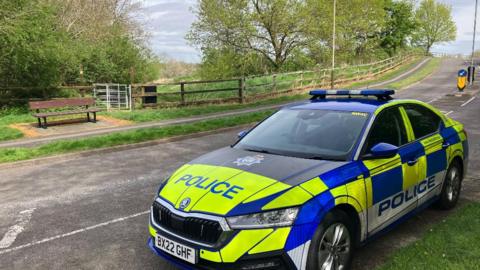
(249,160)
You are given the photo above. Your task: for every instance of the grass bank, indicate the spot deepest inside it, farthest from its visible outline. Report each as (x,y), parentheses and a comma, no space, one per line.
(389,75)
(127,137)
(451,244)
(417,76)
(11,117)
(147,115)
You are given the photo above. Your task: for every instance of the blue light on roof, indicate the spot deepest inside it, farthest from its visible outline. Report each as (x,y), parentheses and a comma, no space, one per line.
(379,93)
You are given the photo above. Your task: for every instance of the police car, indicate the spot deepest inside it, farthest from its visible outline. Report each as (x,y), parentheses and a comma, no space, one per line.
(307,185)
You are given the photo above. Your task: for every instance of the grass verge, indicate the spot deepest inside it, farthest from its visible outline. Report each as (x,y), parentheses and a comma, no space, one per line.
(417,76)
(127,137)
(12,117)
(451,244)
(389,75)
(147,115)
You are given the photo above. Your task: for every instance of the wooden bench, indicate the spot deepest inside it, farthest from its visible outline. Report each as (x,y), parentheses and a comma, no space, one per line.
(84,103)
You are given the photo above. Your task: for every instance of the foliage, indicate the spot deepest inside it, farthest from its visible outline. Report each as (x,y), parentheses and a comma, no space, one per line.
(284,35)
(273,28)
(31,49)
(244,37)
(46,43)
(435,24)
(399,26)
(229,63)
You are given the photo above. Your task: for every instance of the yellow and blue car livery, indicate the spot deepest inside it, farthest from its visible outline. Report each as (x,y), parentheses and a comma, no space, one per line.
(240,209)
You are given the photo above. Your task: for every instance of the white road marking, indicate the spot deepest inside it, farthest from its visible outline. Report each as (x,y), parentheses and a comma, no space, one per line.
(103,224)
(433,100)
(16,229)
(468,101)
(449,112)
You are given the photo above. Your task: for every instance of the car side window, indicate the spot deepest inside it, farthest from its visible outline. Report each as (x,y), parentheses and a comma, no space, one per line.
(387,128)
(423,120)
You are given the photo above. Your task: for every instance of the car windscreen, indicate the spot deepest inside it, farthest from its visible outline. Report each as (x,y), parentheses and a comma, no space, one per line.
(314,134)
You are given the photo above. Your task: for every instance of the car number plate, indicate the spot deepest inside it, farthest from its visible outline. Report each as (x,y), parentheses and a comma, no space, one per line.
(176,249)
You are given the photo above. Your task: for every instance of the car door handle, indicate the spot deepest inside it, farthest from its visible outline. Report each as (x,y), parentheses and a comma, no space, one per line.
(445,145)
(412,162)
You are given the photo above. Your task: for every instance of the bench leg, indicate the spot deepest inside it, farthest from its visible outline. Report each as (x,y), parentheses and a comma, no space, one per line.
(88,117)
(94,117)
(44,122)
(39,122)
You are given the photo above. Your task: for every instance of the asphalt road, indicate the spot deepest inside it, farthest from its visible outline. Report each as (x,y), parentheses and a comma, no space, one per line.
(91,212)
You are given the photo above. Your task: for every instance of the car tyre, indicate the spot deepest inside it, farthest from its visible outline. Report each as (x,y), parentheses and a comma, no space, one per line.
(333,243)
(451,188)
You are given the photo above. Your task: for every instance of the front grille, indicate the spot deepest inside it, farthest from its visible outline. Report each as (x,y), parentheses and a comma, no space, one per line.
(197,229)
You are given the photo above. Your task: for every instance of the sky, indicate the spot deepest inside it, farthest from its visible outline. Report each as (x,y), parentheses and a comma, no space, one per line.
(168,21)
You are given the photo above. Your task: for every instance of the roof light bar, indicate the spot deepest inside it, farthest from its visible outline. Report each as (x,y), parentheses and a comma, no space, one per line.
(379,93)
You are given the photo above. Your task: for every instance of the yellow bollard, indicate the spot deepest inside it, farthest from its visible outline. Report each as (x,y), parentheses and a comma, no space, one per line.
(461,79)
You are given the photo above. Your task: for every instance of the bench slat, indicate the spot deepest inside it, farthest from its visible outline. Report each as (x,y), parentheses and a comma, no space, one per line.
(58,103)
(48,114)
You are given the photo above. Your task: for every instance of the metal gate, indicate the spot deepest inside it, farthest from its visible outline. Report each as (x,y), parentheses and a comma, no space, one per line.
(113,96)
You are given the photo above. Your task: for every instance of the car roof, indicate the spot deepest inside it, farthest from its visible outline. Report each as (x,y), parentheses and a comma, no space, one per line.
(367,105)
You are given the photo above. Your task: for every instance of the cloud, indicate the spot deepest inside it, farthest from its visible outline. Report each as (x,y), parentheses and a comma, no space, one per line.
(168,21)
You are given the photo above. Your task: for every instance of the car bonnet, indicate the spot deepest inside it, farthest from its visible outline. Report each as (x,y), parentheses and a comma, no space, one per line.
(229,181)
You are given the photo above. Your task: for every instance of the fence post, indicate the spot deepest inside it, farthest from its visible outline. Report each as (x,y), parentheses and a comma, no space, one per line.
(142,99)
(131,101)
(241,88)
(301,80)
(274,82)
(182,93)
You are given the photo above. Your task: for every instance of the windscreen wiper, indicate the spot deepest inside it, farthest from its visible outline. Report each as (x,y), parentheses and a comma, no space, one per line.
(325,158)
(263,151)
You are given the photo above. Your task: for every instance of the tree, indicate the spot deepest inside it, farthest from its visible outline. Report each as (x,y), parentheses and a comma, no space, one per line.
(435,24)
(358,25)
(400,25)
(271,28)
(31,49)
(45,43)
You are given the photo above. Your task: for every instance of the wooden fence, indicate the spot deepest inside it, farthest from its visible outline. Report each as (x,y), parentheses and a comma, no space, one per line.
(236,90)
(256,87)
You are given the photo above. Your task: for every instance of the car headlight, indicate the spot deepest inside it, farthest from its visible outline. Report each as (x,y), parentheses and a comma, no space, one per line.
(277,218)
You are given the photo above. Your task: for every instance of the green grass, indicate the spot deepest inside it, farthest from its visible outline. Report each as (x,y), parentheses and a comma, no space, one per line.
(452,244)
(11,117)
(127,137)
(388,75)
(147,115)
(417,76)
(261,84)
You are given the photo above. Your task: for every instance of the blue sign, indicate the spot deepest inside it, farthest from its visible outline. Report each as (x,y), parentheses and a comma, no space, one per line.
(462,73)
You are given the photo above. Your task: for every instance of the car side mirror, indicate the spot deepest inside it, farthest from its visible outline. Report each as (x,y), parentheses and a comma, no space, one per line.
(242,134)
(383,150)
